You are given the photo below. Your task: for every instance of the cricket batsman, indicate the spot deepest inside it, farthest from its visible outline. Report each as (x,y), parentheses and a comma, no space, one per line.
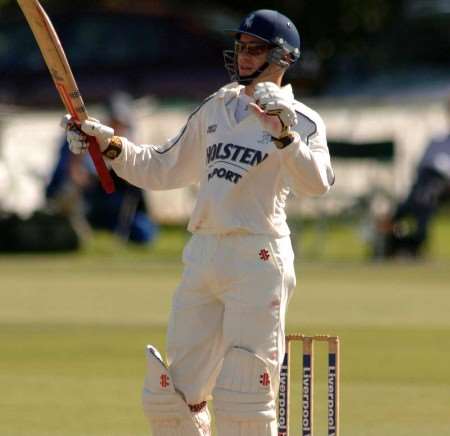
(247,146)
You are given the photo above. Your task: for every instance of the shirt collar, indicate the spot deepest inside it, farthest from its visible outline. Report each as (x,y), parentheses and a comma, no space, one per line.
(234,89)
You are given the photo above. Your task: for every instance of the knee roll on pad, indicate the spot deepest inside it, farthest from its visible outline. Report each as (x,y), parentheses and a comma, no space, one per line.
(165,408)
(243,390)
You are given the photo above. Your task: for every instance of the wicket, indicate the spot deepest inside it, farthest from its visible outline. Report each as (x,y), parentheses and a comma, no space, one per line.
(307,396)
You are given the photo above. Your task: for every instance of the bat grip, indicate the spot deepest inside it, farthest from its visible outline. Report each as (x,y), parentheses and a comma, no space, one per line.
(103,173)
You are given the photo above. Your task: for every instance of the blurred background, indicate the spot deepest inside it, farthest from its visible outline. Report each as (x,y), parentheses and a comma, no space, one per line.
(86,279)
(377,71)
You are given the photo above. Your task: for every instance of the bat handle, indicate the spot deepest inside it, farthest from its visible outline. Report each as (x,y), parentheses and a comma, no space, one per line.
(102,171)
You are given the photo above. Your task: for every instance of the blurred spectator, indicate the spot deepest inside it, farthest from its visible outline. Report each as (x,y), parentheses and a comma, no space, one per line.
(74,189)
(407,231)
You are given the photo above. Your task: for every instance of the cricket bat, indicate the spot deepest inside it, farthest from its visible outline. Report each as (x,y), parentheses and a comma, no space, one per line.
(56,60)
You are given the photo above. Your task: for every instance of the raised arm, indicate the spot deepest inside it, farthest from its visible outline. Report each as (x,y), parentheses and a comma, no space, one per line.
(175,164)
(299,134)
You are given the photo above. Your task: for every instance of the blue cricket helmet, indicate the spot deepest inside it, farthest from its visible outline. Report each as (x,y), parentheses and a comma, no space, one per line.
(273,28)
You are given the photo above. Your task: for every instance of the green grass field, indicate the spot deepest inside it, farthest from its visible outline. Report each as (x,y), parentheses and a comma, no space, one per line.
(74,328)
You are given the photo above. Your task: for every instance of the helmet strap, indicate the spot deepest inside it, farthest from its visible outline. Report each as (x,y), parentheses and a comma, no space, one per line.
(246,80)
(230,60)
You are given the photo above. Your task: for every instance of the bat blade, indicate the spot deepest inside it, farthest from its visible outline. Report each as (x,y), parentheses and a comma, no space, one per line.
(56,61)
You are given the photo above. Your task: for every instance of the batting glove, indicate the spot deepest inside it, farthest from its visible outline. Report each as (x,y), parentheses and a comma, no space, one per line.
(275,111)
(77,136)
(273,101)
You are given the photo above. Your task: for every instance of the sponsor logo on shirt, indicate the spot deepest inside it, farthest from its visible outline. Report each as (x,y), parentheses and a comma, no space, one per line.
(234,153)
(223,173)
(236,156)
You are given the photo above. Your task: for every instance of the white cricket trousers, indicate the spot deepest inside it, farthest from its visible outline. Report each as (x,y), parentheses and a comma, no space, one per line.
(234,293)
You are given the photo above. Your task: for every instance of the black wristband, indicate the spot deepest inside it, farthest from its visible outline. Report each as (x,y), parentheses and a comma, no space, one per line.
(284,141)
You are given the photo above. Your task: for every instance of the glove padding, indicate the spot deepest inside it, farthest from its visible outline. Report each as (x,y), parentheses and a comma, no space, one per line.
(271,101)
(78,139)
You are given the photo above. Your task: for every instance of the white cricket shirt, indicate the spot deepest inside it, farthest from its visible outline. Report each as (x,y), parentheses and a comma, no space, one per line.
(243,178)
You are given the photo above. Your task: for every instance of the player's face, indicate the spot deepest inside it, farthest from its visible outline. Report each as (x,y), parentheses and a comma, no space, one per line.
(251,54)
